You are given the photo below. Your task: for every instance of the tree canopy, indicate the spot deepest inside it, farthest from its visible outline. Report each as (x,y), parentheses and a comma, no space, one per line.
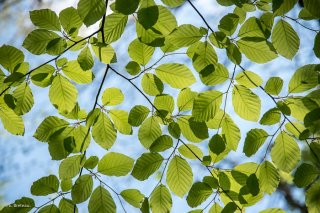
(186,133)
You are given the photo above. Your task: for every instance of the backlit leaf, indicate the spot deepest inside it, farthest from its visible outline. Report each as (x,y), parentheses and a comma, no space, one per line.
(115,164)
(179,176)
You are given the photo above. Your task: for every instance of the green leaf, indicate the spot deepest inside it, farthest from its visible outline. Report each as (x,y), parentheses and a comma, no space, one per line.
(70,20)
(148,132)
(148,15)
(82,138)
(185,35)
(203,55)
(24,205)
(285,39)
(224,181)
(179,176)
(311,120)
(241,13)
(219,39)
(216,208)
(105,53)
(305,175)
(91,162)
(161,144)
(74,71)
(305,15)
(284,108)
(45,19)
(161,200)
(313,7)
(37,41)
(114,26)
(316,45)
(49,209)
(91,11)
(11,121)
(42,76)
(305,78)
(58,143)
(101,201)
(70,167)
(190,150)
(155,22)
(151,84)
(257,50)
(115,164)
(126,7)
(254,140)
(271,117)
(185,99)
(230,207)
(234,53)
(267,20)
(24,99)
(85,59)
(45,186)
(198,193)
(176,75)
(217,144)
(66,205)
(300,107)
(274,85)
(272,210)
(285,152)
(133,68)
(10,57)
(112,96)
(66,185)
(174,130)
(63,94)
(192,130)
(252,27)
(49,126)
(82,189)
(140,52)
(103,131)
(249,79)
(137,115)
(164,102)
(120,120)
(133,197)
(206,105)
(145,206)
(253,185)
(173,3)
(312,198)
(56,46)
(280,8)
(231,132)
(146,165)
(269,177)
(213,75)
(228,23)
(245,103)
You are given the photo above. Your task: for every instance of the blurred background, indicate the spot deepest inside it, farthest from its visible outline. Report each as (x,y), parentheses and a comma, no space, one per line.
(24,160)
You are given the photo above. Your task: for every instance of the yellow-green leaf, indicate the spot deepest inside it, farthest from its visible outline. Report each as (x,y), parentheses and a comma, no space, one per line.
(179,176)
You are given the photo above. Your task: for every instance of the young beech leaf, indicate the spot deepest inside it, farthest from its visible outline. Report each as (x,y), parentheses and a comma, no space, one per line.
(101,201)
(161,200)
(146,165)
(179,176)
(115,164)
(82,188)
